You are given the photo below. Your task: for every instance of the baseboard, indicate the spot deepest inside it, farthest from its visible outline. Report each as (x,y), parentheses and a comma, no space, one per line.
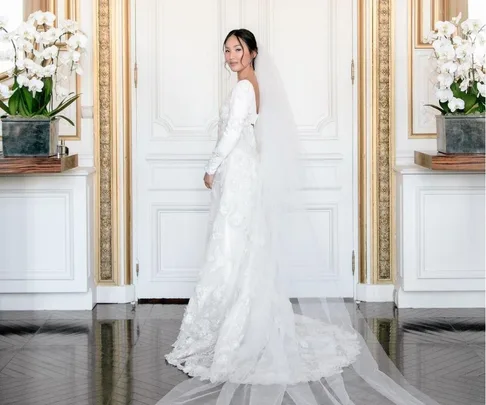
(48,301)
(375,292)
(115,294)
(439,299)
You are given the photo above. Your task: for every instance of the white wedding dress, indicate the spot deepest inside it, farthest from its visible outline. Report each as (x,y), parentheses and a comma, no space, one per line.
(239,326)
(242,339)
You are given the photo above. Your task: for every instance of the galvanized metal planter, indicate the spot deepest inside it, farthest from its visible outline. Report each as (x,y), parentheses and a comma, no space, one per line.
(460,133)
(29,136)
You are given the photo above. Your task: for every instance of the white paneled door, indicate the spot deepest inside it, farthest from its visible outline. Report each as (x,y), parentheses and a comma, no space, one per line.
(181,83)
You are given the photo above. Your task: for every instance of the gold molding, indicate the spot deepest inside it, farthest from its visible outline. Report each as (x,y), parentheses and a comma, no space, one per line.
(127,129)
(362,144)
(437,10)
(112,125)
(412,45)
(71,9)
(382,141)
(115,143)
(105,154)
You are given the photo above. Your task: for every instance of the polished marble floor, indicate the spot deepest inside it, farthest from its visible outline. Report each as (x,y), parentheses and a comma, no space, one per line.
(114,354)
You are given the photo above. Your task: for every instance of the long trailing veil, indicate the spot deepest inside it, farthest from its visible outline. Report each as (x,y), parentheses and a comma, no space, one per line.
(282,221)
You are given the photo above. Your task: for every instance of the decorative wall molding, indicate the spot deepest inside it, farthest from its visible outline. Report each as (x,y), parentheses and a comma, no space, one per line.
(382,141)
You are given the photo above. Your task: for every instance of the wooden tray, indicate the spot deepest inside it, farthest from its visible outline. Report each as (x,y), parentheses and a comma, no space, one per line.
(27,165)
(456,162)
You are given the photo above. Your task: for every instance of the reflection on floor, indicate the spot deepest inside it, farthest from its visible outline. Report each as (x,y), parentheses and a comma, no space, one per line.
(114,354)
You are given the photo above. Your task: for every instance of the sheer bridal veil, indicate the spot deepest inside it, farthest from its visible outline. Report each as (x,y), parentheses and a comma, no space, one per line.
(371,378)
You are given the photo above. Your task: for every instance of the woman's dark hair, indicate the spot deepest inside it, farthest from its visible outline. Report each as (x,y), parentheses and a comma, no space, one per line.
(248,38)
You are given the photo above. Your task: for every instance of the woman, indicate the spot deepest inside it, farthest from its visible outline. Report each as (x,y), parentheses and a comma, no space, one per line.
(241,336)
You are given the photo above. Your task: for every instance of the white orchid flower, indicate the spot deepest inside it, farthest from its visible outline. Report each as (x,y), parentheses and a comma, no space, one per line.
(49,37)
(20,64)
(49,70)
(464,51)
(33,68)
(480,76)
(69,26)
(431,37)
(445,79)
(27,32)
(455,104)
(482,89)
(457,40)
(77,41)
(449,67)
(34,17)
(463,69)
(445,28)
(23,80)
(471,26)
(464,85)
(42,18)
(25,46)
(5,91)
(36,86)
(444,94)
(446,52)
(51,52)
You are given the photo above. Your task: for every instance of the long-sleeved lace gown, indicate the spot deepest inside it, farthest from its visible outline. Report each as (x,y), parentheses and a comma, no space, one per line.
(238,326)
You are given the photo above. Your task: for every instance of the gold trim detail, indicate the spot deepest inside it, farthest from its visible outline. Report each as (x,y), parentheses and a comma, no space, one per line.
(127,127)
(71,9)
(103,145)
(382,143)
(362,144)
(112,140)
(113,122)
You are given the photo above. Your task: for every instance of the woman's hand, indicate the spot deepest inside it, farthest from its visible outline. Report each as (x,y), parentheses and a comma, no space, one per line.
(208,180)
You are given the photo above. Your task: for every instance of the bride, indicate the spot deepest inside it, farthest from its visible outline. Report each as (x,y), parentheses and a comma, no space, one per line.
(242,338)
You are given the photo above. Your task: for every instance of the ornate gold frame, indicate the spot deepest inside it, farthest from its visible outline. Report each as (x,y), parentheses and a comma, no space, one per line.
(104,109)
(382,115)
(108,138)
(383,145)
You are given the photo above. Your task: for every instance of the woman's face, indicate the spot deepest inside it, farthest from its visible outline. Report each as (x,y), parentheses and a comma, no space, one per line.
(237,56)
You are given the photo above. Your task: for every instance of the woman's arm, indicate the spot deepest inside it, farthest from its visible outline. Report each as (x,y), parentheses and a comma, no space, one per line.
(238,112)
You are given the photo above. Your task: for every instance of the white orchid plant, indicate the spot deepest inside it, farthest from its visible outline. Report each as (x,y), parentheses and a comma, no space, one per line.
(42,57)
(459,73)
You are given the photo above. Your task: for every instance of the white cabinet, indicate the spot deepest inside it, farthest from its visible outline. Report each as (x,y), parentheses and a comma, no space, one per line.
(47,241)
(440,238)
